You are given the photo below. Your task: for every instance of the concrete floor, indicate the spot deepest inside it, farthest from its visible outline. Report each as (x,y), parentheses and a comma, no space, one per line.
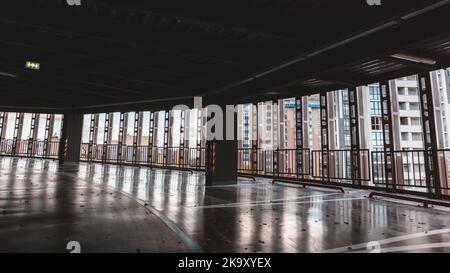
(109,208)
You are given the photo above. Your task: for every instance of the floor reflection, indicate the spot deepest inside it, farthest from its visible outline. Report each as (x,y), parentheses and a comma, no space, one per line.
(43,207)
(260,217)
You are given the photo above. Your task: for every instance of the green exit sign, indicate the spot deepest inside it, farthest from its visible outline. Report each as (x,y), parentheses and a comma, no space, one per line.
(32,65)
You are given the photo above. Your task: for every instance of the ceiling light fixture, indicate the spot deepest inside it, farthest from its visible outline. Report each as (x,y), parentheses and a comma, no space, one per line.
(415,59)
(32,65)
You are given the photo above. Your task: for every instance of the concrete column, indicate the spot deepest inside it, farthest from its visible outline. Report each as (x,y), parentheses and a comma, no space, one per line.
(4,123)
(365,129)
(332,144)
(36,127)
(18,133)
(20,126)
(306,156)
(187,129)
(141,126)
(316,133)
(221,154)
(396,133)
(442,122)
(51,127)
(171,129)
(156,129)
(69,150)
(49,134)
(110,128)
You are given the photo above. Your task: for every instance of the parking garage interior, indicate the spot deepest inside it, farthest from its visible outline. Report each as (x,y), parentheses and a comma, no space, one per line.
(237,126)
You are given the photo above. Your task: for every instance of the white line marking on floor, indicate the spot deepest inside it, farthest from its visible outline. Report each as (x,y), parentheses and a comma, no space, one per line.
(406,248)
(275,204)
(391,240)
(275,200)
(267,201)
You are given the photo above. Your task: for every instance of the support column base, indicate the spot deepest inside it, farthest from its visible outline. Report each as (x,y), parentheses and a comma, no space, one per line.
(221,163)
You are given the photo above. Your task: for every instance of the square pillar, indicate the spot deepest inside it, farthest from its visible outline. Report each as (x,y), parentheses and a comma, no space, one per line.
(430,137)
(365,130)
(324,131)
(391,177)
(221,154)
(69,147)
(355,142)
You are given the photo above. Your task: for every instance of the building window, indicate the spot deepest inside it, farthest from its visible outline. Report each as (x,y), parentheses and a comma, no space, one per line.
(346,124)
(412,91)
(374,92)
(404,121)
(377,139)
(414,106)
(402,105)
(345,96)
(376,123)
(347,140)
(405,136)
(415,121)
(346,110)
(416,136)
(375,108)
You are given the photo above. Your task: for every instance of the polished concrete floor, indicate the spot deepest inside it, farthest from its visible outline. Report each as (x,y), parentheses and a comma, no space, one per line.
(108,208)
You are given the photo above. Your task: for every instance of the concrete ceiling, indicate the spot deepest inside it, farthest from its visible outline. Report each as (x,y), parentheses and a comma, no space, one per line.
(135,54)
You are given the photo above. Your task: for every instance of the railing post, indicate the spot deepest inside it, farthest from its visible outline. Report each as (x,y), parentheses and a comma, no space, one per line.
(429,135)
(388,139)
(354,136)
(275,162)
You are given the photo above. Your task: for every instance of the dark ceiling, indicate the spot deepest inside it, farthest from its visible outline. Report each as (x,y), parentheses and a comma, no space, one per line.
(142,54)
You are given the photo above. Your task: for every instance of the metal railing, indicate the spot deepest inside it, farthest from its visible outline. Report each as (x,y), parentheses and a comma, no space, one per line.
(443,156)
(340,168)
(27,148)
(248,159)
(176,157)
(409,165)
(284,163)
(410,173)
